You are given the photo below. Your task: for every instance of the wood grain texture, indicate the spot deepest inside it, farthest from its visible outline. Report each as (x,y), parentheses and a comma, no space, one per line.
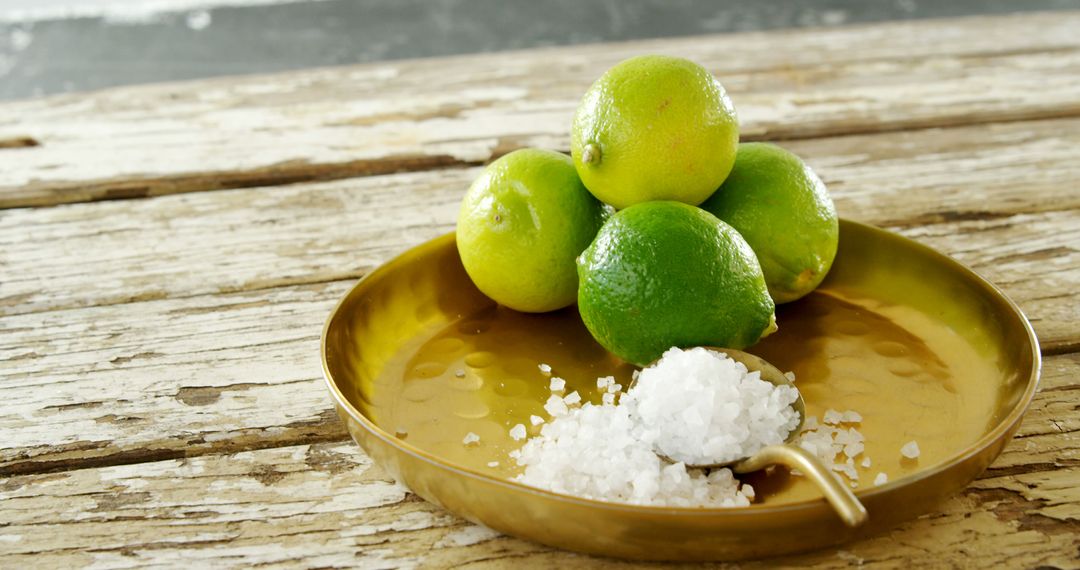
(96,254)
(326,505)
(159,363)
(374,119)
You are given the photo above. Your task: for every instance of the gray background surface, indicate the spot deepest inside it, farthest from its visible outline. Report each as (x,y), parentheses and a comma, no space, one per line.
(39,57)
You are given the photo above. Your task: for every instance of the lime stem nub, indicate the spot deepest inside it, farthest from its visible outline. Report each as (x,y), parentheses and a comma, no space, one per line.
(590,154)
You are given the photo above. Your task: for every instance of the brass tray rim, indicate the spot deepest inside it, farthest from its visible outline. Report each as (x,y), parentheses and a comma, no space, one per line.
(988,439)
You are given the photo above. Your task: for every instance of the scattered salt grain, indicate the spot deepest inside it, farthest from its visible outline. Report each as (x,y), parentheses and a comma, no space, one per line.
(837,446)
(546,369)
(881,479)
(460,373)
(832,417)
(493,464)
(557,384)
(910,450)
(471,439)
(572,398)
(790,376)
(555,406)
(608,399)
(614,388)
(851,417)
(604,382)
(517,433)
(536,420)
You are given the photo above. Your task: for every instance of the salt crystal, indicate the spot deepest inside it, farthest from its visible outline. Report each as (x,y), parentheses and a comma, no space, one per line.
(866,462)
(613,388)
(493,464)
(790,376)
(573,398)
(852,417)
(853,449)
(536,420)
(471,439)
(555,406)
(604,382)
(881,479)
(557,384)
(546,369)
(460,373)
(910,450)
(832,417)
(608,399)
(517,433)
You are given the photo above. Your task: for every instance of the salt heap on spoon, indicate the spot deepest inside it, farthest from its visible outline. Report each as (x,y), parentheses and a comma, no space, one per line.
(695,406)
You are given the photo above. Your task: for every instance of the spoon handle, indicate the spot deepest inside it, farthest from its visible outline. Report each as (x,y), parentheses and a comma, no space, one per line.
(839,495)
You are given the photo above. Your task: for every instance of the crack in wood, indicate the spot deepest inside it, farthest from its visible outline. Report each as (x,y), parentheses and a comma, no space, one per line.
(85,455)
(282,174)
(18,142)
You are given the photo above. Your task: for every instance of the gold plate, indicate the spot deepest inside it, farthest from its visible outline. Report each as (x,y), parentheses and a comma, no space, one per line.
(416,357)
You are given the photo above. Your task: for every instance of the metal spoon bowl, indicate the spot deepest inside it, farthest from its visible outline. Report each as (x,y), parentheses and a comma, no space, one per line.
(789,454)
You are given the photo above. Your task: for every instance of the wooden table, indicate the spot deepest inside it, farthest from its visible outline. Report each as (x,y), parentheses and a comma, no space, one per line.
(168,254)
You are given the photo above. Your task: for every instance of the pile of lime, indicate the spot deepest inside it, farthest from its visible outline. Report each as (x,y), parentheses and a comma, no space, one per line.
(663,228)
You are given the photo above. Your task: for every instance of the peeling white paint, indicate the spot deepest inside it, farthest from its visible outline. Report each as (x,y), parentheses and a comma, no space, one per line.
(467,536)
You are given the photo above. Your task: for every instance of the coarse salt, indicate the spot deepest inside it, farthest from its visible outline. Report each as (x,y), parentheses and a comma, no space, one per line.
(545,368)
(694,405)
(709,408)
(471,439)
(910,450)
(829,441)
(517,432)
(536,420)
(881,479)
(555,406)
(557,384)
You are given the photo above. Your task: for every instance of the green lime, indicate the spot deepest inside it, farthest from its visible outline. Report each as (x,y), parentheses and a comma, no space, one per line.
(784,211)
(654,128)
(663,274)
(521,225)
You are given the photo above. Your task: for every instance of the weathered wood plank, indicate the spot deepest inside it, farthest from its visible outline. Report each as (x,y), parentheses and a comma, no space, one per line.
(333,123)
(191,375)
(326,505)
(163,379)
(104,253)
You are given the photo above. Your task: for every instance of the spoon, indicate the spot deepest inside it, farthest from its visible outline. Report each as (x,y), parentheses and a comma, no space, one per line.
(789,454)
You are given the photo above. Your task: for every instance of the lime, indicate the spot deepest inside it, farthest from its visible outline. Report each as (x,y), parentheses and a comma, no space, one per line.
(654,128)
(521,225)
(663,274)
(784,211)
